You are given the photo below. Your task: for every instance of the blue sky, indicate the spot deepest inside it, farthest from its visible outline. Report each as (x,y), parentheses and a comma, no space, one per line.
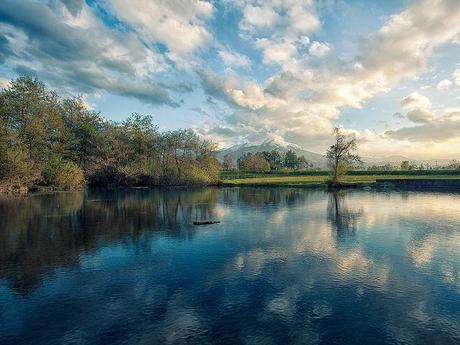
(239,71)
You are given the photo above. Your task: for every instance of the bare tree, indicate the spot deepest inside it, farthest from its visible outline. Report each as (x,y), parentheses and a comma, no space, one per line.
(229,162)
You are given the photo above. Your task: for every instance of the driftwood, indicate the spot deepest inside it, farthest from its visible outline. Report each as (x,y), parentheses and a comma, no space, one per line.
(204,222)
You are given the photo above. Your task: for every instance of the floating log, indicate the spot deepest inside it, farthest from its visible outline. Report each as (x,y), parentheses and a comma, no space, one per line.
(204,222)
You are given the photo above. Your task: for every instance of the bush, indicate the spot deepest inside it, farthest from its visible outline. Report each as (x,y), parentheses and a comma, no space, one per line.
(204,171)
(254,163)
(15,170)
(63,175)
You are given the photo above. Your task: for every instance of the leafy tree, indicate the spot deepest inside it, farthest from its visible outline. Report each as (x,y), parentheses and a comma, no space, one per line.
(303,164)
(276,160)
(82,140)
(62,174)
(405,165)
(290,160)
(253,163)
(340,155)
(46,140)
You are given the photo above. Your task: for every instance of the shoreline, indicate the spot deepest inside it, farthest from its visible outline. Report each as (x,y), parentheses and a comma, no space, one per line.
(417,184)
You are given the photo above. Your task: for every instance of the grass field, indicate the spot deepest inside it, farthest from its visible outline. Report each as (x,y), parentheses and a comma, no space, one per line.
(319,180)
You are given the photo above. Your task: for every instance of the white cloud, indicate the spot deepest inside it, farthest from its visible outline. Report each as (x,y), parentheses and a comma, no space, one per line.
(420,115)
(179,24)
(258,17)
(319,49)
(418,107)
(75,52)
(445,128)
(234,59)
(456,76)
(305,98)
(279,27)
(300,101)
(277,52)
(444,85)
(415,101)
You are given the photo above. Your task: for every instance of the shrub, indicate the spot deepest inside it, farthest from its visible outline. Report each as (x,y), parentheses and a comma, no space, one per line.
(15,170)
(204,171)
(254,163)
(62,174)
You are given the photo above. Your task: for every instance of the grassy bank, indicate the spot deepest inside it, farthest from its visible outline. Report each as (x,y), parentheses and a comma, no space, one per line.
(303,180)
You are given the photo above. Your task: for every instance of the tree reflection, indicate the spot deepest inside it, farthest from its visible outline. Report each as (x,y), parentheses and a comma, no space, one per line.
(274,196)
(40,233)
(343,219)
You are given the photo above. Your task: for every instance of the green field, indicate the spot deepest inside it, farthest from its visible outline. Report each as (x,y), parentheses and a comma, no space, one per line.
(303,180)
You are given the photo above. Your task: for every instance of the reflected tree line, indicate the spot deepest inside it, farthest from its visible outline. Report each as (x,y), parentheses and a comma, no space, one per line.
(254,196)
(43,232)
(40,233)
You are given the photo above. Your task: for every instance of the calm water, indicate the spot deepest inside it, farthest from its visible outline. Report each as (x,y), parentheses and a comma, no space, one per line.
(284,266)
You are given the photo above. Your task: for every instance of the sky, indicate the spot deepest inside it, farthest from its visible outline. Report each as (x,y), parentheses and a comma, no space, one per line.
(247,71)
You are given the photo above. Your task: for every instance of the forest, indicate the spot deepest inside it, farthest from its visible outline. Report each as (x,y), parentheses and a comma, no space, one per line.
(50,142)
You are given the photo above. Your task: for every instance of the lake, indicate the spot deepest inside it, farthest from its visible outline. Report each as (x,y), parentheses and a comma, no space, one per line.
(284,266)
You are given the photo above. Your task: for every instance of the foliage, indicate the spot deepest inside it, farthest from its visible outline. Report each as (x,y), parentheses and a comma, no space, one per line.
(228,175)
(61,143)
(405,165)
(287,161)
(253,162)
(340,156)
(62,174)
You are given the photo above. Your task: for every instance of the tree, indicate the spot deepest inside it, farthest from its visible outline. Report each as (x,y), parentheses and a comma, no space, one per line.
(228,162)
(276,161)
(59,143)
(274,158)
(302,163)
(253,163)
(340,156)
(290,160)
(405,165)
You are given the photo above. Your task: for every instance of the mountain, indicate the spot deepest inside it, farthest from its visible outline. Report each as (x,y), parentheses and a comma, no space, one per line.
(270,145)
(319,160)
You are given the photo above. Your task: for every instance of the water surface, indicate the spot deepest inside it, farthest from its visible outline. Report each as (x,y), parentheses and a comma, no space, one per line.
(284,266)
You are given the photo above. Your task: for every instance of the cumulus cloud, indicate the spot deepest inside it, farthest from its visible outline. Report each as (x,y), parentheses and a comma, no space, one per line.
(280,28)
(444,85)
(319,49)
(178,24)
(258,17)
(299,94)
(420,115)
(302,102)
(441,129)
(456,76)
(234,59)
(414,101)
(277,53)
(67,45)
(431,127)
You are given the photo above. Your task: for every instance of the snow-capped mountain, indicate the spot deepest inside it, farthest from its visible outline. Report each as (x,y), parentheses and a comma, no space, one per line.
(239,150)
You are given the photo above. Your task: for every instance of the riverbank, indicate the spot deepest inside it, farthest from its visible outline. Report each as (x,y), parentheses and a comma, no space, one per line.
(347,181)
(299,181)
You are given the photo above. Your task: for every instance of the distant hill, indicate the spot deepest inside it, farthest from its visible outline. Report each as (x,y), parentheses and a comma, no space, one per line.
(397,160)
(239,150)
(317,159)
